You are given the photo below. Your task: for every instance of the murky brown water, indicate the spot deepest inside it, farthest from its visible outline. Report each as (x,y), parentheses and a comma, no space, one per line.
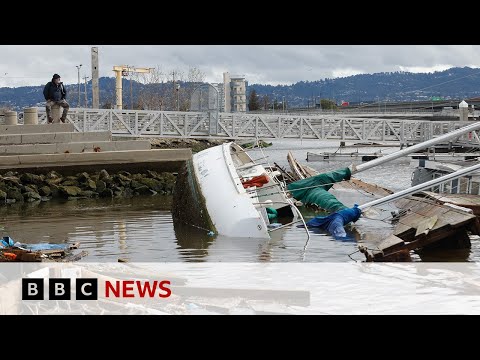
(142,229)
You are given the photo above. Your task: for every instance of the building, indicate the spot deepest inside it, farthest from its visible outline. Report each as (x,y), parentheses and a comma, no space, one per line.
(235,93)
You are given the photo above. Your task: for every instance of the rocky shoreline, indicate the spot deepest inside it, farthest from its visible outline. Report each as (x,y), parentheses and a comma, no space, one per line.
(26,187)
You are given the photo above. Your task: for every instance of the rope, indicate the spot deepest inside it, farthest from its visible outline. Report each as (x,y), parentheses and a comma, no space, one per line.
(350,255)
(209,232)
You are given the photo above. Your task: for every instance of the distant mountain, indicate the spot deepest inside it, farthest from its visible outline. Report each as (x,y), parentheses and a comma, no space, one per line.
(454,83)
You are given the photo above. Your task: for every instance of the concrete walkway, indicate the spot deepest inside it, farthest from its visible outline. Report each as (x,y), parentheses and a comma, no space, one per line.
(41,148)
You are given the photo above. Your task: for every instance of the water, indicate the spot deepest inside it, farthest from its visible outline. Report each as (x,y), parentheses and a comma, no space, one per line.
(142,229)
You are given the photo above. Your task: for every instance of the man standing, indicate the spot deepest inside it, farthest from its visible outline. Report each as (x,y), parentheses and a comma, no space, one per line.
(55,93)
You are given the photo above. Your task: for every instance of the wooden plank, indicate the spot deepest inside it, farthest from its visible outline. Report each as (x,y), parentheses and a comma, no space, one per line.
(401,228)
(425,226)
(371,188)
(390,243)
(75,257)
(465,200)
(455,198)
(458,218)
(412,220)
(423,240)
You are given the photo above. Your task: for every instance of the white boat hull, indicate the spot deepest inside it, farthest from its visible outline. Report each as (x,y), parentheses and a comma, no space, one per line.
(230,207)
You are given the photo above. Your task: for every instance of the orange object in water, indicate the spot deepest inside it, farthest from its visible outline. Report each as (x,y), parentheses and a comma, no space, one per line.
(257,181)
(11,256)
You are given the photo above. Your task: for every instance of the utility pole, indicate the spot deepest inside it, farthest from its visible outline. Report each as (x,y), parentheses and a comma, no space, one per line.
(178,97)
(78,71)
(173,88)
(131,92)
(95,89)
(86,98)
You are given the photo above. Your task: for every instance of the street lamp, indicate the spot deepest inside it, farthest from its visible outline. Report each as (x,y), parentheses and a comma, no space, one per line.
(178,102)
(78,71)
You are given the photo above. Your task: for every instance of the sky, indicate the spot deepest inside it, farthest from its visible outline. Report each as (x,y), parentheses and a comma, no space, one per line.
(26,65)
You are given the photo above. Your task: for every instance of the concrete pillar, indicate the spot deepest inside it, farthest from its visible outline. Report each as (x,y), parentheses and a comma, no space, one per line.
(95,89)
(11,118)
(30,116)
(463,111)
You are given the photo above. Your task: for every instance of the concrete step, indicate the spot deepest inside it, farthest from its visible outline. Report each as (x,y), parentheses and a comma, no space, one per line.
(36,129)
(74,147)
(129,160)
(52,138)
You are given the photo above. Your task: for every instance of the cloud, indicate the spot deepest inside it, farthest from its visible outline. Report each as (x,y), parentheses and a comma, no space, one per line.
(267,64)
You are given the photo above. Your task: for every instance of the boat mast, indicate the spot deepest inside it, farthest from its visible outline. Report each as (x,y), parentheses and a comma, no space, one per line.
(411,149)
(401,194)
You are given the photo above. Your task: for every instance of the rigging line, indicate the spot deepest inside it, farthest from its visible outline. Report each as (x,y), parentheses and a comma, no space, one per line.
(350,255)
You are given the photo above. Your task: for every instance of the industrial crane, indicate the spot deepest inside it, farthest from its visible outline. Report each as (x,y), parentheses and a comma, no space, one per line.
(123,70)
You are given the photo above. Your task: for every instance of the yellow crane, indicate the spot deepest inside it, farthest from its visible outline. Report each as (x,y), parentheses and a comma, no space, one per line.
(123,70)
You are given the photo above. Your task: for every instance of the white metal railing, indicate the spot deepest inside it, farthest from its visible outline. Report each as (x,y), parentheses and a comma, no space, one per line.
(144,123)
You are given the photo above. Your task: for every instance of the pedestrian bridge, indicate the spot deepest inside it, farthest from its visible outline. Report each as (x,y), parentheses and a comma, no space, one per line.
(142,123)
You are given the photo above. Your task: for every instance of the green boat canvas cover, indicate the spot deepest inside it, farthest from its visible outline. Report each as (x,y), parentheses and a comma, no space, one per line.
(314,190)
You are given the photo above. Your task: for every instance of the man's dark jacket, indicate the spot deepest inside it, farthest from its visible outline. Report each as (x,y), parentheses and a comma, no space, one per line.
(54,92)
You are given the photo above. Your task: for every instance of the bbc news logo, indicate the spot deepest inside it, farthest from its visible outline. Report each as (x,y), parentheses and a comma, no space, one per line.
(59,289)
(87,289)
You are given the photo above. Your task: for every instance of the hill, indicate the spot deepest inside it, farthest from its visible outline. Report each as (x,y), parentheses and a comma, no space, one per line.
(454,83)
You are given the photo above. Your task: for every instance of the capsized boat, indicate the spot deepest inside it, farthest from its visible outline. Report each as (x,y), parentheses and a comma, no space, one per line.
(232,194)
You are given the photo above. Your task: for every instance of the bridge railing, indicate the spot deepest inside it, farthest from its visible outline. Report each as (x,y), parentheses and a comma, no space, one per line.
(144,123)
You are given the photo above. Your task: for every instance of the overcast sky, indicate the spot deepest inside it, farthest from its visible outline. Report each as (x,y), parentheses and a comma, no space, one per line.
(266,64)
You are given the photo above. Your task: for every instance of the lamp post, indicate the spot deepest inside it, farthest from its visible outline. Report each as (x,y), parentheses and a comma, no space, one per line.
(78,71)
(177,88)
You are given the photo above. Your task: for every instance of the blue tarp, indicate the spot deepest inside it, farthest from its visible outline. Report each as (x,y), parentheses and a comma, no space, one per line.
(7,242)
(335,222)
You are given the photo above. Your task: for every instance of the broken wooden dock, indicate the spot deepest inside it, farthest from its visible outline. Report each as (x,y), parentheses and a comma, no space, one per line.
(424,224)
(468,201)
(423,221)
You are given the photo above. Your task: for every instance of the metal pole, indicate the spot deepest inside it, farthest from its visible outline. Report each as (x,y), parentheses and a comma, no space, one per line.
(118,92)
(173,89)
(131,93)
(86,98)
(178,96)
(412,149)
(78,73)
(420,187)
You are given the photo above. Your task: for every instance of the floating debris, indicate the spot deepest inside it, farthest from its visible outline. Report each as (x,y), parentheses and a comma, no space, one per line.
(15,251)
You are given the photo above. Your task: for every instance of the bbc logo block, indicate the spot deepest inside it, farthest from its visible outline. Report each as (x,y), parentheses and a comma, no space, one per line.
(32,289)
(60,289)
